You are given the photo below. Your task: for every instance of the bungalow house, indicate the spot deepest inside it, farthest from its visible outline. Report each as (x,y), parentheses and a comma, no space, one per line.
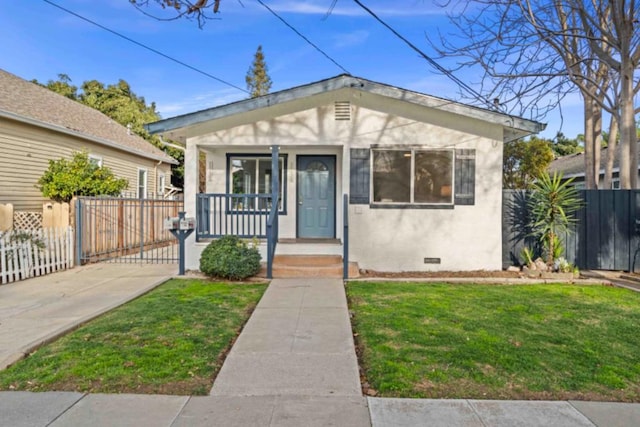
(572,166)
(38,125)
(394,179)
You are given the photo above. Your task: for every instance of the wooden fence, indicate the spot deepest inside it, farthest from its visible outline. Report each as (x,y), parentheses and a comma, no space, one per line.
(53,215)
(110,228)
(30,253)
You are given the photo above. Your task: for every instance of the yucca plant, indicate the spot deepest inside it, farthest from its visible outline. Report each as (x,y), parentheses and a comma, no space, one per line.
(552,205)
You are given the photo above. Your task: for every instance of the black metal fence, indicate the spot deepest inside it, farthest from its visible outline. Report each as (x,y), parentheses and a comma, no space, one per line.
(243,215)
(604,236)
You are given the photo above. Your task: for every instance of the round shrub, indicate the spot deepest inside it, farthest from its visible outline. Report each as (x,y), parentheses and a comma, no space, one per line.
(230,258)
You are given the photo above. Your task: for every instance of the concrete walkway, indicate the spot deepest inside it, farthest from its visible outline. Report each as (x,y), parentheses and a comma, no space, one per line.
(294,364)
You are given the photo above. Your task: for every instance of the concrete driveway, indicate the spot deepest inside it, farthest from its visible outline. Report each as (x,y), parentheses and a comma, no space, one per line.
(38,310)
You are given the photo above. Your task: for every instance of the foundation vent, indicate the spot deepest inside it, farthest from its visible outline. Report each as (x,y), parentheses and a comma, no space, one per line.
(343,110)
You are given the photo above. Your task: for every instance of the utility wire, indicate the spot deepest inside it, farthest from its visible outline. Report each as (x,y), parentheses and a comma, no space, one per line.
(303,37)
(428,58)
(157,52)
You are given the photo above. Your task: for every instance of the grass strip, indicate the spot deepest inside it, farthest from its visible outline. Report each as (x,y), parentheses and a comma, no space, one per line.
(169,341)
(497,342)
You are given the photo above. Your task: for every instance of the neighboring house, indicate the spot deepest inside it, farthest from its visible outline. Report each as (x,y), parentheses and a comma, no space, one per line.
(38,125)
(423,174)
(572,166)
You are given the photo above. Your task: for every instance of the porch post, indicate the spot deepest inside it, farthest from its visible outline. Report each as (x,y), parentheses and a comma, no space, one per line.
(272,219)
(275,175)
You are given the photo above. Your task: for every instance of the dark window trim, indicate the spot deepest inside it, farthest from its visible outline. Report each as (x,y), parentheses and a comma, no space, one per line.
(410,205)
(283,156)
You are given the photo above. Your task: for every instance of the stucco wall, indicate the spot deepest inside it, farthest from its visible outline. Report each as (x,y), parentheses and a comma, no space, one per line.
(26,151)
(463,238)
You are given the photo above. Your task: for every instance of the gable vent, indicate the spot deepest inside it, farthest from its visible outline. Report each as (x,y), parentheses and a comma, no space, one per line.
(343,110)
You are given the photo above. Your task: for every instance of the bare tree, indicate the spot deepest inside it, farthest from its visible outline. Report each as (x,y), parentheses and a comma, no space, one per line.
(199,10)
(537,49)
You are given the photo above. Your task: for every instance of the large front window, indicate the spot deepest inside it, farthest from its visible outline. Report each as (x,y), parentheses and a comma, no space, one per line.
(413,176)
(252,175)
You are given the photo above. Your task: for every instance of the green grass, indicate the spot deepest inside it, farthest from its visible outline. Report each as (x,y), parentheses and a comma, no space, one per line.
(170,341)
(498,342)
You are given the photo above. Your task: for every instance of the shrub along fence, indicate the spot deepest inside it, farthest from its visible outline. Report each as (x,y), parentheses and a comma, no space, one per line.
(604,236)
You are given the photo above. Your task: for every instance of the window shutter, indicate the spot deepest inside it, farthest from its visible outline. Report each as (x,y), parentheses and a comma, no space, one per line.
(359,180)
(465,179)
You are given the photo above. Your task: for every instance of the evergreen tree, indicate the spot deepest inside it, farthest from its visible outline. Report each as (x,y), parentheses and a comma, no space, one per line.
(258,80)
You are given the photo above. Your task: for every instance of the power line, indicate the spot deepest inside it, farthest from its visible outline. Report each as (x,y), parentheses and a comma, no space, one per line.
(157,52)
(428,58)
(303,37)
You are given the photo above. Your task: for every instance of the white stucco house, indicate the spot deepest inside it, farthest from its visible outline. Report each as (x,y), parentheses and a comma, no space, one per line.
(423,175)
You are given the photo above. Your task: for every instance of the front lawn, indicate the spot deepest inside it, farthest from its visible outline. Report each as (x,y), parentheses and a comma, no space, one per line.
(170,341)
(497,342)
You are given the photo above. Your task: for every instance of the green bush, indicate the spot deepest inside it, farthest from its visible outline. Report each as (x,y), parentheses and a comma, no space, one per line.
(230,258)
(78,177)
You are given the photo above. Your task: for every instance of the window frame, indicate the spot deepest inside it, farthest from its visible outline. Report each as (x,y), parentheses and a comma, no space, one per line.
(146,183)
(412,204)
(282,159)
(95,160)
(161,184)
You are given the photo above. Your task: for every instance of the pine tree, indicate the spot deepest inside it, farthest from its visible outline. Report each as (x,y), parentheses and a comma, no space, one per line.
(258,80)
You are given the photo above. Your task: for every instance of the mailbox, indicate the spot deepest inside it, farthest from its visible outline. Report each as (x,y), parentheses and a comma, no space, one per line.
(177,223)
(187,223)
(171,223)
(181,227)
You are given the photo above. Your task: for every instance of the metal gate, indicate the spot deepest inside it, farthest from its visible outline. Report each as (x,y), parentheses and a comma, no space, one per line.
(125,230)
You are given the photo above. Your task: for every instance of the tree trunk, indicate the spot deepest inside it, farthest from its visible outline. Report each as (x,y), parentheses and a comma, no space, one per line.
(611,153)
(628,138)
(597,142)
(589,137)
(628,128)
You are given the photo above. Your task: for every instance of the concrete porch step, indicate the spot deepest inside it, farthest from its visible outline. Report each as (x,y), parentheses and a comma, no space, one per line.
(330,266)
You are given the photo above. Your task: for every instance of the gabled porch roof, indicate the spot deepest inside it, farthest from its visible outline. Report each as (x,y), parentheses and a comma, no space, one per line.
(192,124)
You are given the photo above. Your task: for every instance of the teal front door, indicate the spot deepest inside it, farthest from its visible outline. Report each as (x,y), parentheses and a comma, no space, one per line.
(316,196)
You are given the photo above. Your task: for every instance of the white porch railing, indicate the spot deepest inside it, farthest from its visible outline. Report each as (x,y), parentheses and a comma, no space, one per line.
(30,253)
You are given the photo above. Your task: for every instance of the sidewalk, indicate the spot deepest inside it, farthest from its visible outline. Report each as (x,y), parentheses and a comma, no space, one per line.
(294,364)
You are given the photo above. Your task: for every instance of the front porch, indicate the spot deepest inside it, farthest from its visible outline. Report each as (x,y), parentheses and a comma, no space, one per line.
(320,242)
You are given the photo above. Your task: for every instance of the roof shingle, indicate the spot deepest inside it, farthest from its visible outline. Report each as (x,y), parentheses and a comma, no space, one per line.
(573,164)
(28,100)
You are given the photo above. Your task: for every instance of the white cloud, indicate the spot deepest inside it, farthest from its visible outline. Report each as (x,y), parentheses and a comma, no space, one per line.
(351,39)
(201,101)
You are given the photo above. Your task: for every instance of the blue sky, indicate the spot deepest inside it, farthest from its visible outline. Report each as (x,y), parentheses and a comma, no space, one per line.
(41,41)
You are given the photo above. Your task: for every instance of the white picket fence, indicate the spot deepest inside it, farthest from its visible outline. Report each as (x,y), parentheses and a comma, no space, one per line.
(30,253)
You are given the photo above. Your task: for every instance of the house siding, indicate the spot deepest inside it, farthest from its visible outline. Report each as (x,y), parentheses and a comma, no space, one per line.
(462,238)
(26,150)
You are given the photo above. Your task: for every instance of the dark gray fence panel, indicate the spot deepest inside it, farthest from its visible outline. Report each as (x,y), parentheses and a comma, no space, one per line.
(623,228)
(603,238)
(515,230)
